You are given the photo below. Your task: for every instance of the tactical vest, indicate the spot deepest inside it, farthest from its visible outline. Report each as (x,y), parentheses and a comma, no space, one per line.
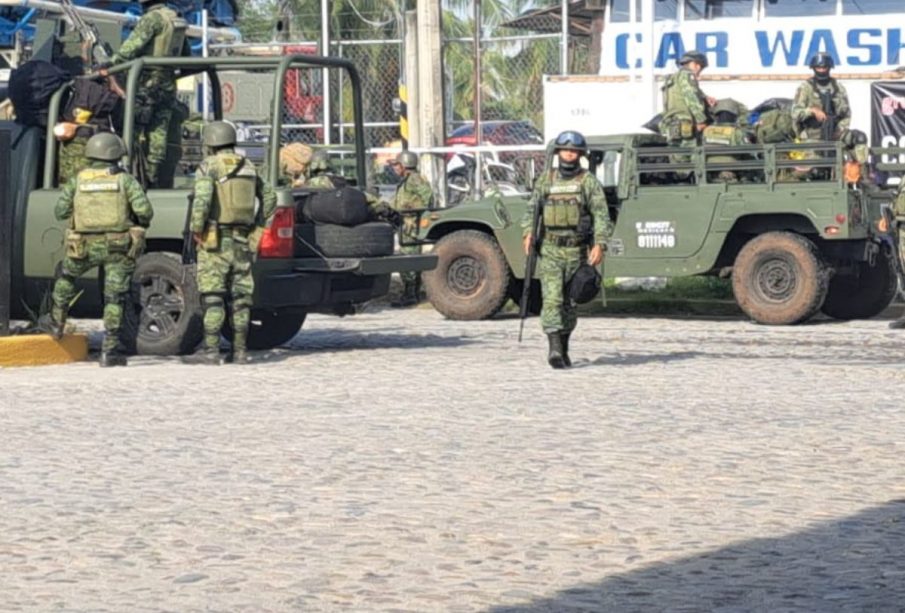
(719,135)
(169,42)
(563,204)
(100,203)
(235,190)
(673,102)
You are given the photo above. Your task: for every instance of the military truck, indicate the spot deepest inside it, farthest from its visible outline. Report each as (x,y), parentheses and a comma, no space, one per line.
(794,236)
(300,268)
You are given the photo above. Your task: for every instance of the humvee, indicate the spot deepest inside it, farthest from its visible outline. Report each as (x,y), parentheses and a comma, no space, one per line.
(793,235)
(300,268)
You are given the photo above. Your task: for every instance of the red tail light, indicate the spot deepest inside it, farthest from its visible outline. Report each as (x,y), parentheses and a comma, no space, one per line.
(278,239)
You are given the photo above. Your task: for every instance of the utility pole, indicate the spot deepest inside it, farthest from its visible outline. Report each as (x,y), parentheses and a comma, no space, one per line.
(430,91)
(410,119)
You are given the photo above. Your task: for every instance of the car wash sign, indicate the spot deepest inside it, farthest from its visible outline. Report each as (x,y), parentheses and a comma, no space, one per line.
(858,44)
(887,110)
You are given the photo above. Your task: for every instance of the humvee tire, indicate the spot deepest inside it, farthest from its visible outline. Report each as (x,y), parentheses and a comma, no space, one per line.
(863,295)
(779,278)
(269,329)
(162,315)
(472,277)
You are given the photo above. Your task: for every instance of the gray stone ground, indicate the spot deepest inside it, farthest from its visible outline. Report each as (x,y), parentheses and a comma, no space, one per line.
(395,461)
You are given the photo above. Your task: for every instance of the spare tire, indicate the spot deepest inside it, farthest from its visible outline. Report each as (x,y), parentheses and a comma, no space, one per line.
(372,239)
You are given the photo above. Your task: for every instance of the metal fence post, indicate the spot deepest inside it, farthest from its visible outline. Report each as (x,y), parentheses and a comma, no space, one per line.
(6,235)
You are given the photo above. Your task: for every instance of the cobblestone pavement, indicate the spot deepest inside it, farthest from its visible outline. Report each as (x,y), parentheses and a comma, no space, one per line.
(395,461)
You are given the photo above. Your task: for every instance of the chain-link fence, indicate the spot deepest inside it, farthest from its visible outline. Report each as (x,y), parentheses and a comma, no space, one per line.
(499,79)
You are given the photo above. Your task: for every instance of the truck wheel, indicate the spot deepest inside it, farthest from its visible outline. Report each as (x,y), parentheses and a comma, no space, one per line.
(864,294)
(471,280)
(372,239)
(779,278)
(163,315)
(269,329)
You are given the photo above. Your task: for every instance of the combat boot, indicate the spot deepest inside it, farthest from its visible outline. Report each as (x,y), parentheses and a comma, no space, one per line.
(898,324)
(555,355)
(239,356)
(208,355)
(408,298)
(564,338)
(112,357)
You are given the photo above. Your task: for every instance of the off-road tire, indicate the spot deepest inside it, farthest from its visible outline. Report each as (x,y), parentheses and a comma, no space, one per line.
(162,315)
(471,280)
(373,239)
(865,294)
(779,279)
(269,329)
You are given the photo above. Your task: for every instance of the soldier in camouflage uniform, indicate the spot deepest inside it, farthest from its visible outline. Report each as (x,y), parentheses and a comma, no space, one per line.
(159,33)
(414,192)
(320,175)
(821,109)
(574,217)
(108,213)
(685,106)
(725,132)
(899,235)
(226,224)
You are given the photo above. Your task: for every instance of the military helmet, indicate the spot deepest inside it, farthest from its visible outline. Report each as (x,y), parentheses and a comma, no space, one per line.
(727,105)
(571,140)
(693,56)
(219,134)
(106,147)
(822,60)
(320,162)
(851,138)
(407,159)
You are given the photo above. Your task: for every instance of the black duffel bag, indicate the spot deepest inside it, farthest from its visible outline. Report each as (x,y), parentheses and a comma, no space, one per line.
(345,206)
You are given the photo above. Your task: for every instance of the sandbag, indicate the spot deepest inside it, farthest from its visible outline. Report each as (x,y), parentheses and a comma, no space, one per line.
(345,206)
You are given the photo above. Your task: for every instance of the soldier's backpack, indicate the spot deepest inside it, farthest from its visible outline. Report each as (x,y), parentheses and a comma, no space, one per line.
(775,126)
(30,87)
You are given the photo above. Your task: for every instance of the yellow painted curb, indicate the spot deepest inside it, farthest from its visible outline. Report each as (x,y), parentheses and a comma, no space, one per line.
(41,349)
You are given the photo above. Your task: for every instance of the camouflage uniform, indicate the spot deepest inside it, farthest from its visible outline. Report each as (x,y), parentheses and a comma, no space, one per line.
(724,135)
(225,258)
(684,107)
(563,249)
(809,95)
(899,235)
(86,201)
(159,33)
(72,157)
(414,192)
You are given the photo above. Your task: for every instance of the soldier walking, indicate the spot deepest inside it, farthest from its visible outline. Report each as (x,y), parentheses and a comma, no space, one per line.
(684,104)
(159,33)
(108,212)
(574,218)
(414,192)
(225,222)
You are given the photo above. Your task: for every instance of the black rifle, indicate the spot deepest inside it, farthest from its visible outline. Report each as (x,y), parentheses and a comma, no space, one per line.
(530,265)
(189,252)
(828,127)
(101,52)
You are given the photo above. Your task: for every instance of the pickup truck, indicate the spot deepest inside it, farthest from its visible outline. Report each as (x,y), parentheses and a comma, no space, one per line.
(793,234)
(300,267)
